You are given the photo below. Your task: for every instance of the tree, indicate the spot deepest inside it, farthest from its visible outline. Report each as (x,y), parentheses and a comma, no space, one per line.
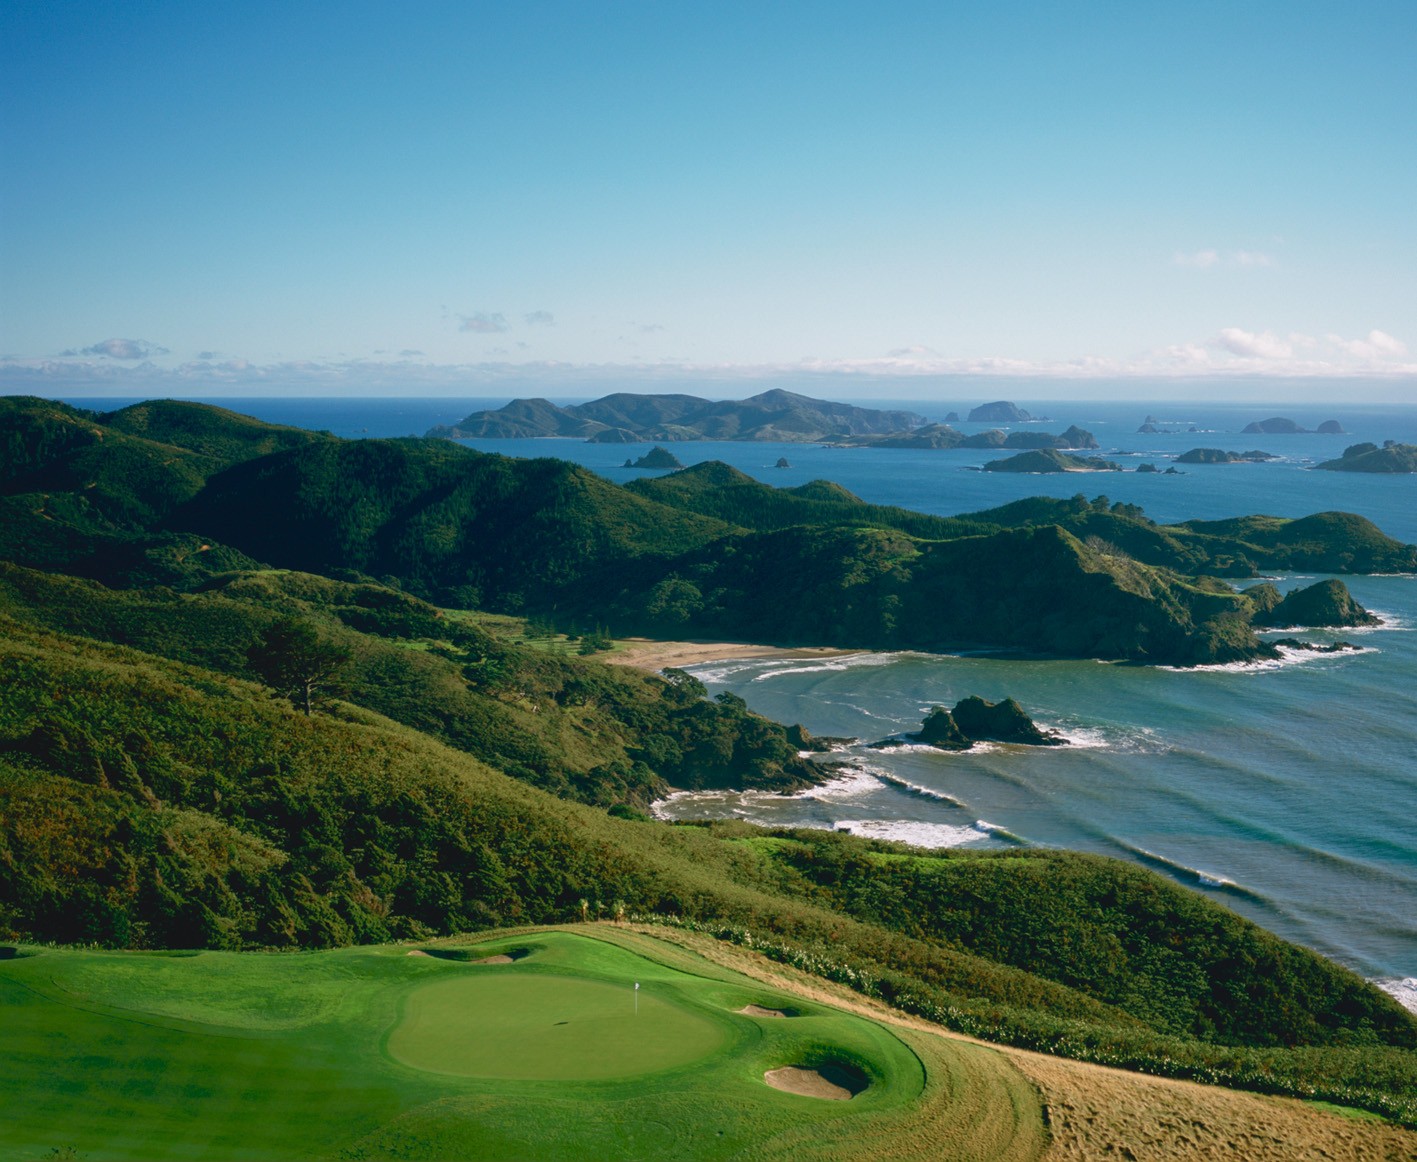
(296,659)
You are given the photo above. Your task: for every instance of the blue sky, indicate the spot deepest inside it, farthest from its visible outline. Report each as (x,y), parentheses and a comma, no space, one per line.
(554,197)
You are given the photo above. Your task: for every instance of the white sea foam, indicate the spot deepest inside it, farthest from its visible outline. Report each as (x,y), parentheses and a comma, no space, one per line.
(997,832)
(905,746)
(915,832)
(1140,740)
(1387,621)
(711,673)
(1288,656)
(1204,879)
(916,789)
(847,784)
(827,665)
(1404,988)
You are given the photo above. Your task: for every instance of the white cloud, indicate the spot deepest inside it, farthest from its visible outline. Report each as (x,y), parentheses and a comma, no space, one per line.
(1253,344)
(1185,354)
(540,319)
(483,323)
(120,349)
(1199,258)
(1205,259)
(1386,344)
(1377,345)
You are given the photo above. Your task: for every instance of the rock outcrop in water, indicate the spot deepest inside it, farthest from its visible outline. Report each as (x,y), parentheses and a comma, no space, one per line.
(1001,722)
(1220,456)
(1323,604)
(1277,426)
(1051,460)
(1001,411)
(975,720)
(656,457)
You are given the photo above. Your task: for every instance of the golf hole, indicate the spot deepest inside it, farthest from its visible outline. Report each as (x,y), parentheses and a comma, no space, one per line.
(829,1080)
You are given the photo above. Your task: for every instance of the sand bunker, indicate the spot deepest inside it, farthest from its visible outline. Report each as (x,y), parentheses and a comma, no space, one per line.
(474,956)
(416,952)
(759,1011)
(833,1082)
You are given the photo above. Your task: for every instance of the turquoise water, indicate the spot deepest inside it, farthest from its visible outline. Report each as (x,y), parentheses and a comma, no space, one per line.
(1286,791)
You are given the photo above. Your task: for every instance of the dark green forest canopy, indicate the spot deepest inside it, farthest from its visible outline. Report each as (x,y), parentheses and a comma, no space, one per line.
(203,491)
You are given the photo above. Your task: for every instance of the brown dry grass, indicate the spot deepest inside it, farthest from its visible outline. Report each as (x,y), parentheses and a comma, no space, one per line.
(1093,1111)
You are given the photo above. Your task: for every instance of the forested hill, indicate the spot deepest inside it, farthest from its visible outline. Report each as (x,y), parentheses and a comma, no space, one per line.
(1331,542)
(202,491)
(629,418)
(550,537)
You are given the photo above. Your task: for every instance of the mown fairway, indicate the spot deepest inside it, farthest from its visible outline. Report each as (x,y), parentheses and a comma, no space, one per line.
(374,1053)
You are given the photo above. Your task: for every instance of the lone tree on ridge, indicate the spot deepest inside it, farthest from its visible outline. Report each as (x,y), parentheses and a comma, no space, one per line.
(295,659)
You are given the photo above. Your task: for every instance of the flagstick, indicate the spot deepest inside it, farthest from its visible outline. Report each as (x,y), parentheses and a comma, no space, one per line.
(637,998)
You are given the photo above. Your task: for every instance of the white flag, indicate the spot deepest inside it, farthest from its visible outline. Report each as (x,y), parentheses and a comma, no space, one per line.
(637,985)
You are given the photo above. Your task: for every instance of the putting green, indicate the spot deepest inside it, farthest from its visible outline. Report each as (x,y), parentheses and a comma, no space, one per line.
(526,1026)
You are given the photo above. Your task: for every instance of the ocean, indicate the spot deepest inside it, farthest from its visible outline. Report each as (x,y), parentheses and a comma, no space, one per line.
(1285,790)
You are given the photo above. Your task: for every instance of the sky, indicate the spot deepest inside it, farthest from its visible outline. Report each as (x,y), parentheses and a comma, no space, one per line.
(551,198)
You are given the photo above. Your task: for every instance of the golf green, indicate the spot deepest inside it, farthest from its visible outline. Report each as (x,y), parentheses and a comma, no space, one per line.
(527,1026)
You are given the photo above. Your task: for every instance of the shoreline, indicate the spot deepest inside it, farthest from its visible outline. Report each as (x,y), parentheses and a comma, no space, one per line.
(653,655)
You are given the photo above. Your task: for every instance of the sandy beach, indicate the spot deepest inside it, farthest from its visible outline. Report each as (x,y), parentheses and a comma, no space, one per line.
(647,654)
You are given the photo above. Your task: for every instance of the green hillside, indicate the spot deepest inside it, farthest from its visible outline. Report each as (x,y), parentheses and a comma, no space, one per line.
(162,786)
(164,805)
